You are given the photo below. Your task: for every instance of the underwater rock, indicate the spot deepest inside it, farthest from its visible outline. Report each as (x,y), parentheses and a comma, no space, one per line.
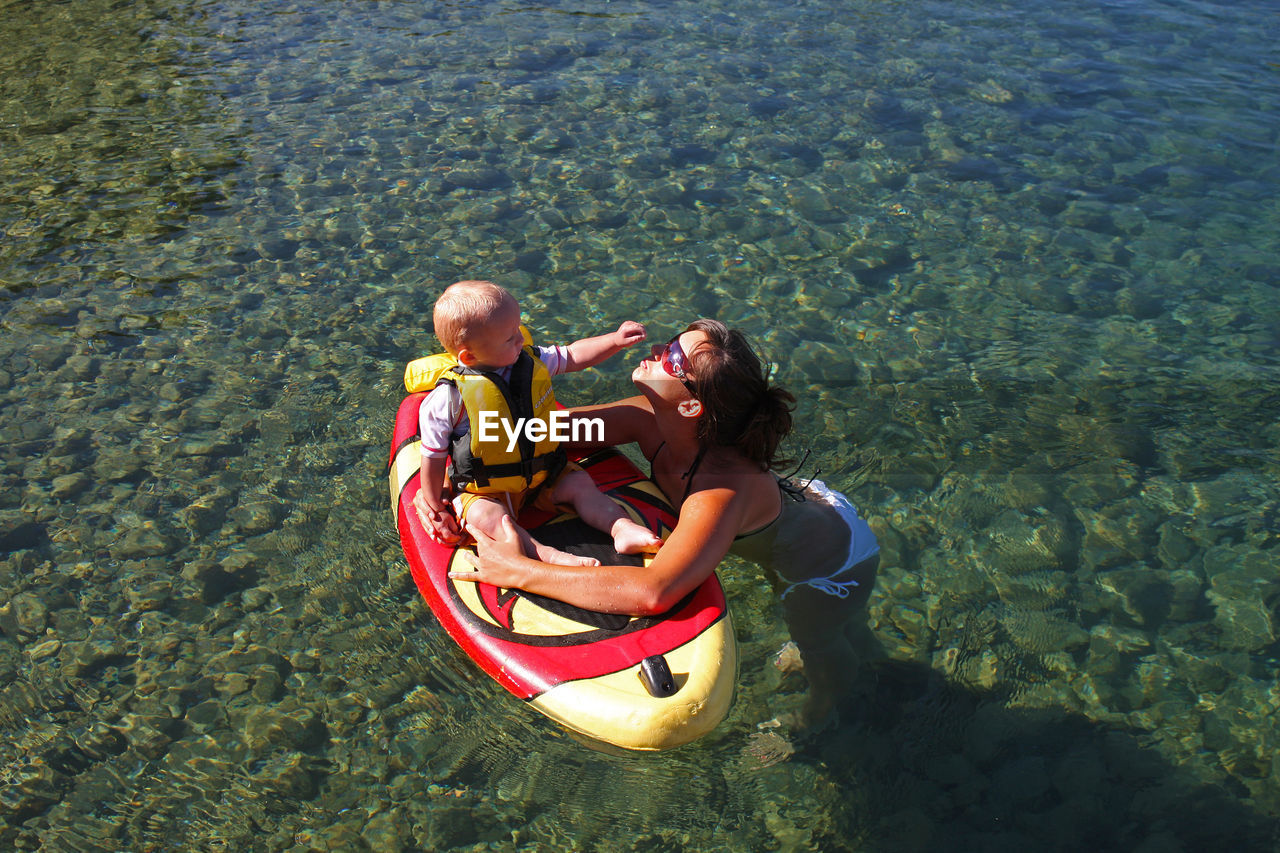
(812,203)
(148,734)
(19,532)
(305,661)
(1174,549)
(531,262)
(1028,543)
(974,169)
(278,249)
(991,92)
(600,215)
(49,357)
(1230,491)
(476,178)
(244,565)
(679,278)
(119,464)
(346,710)
(210,581)
(254,598)
(1187,600)
(550,140)
(151,595)
(11,663)
(30,790)
(1248,749)
(1109,651)
(536,57)
(644,165)
(670,219)
(1143,594)
(67,486)
(1090,215)
(479,211)
(231,684)
(295,775)
(101,741)
(1042,633)
(913,624)
(388,831)
(1206,672)
(1040,591)
(255,517)
(246,659)
(142,542)
(207,513)
(44,651)
(207,716)
(1239,571)
(770,105)
(97,651)
(1113,536)
(829,363)
(1243,624)
(269,728)
(24,616)
(268,685)
(83,368)
(207,447)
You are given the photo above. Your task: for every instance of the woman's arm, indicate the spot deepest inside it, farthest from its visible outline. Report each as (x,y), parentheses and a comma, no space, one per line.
(691,553)
(624,421)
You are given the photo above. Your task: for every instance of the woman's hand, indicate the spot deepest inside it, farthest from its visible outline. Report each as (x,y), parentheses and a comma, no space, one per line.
(496,560)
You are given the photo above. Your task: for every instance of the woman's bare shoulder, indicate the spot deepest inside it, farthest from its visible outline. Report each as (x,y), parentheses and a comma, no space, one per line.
(754,494)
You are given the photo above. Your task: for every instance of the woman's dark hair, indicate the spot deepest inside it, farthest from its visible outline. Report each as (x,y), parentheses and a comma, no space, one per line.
(739,407)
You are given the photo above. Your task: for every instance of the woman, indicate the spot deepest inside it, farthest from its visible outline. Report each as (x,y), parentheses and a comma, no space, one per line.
(710,425)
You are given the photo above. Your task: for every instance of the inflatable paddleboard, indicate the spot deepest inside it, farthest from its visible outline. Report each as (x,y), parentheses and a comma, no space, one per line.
(642,683)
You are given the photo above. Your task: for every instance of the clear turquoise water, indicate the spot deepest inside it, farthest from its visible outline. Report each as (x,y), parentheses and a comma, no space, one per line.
(1020,264)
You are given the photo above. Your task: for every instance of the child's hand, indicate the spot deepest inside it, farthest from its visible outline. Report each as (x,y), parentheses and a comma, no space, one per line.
(630,332)
(441,526)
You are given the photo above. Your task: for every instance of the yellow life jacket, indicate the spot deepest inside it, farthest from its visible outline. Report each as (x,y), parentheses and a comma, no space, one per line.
(487,467)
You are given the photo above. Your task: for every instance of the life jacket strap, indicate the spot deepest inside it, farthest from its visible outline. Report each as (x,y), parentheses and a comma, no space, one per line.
(553,463)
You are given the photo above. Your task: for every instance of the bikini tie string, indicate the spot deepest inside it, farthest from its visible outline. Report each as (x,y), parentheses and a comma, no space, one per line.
(796,493)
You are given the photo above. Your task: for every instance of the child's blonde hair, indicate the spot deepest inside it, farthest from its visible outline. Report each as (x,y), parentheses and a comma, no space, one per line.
(465,308)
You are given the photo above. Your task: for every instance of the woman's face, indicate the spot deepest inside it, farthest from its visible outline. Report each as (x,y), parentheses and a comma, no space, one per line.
(659,375)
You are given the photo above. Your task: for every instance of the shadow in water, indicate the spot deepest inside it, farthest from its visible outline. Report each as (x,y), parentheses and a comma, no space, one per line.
(930,765)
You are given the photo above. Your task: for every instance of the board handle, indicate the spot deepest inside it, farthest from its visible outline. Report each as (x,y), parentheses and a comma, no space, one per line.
(657,677)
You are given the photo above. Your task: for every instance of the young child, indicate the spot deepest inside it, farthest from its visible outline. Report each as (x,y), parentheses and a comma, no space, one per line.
(490,377)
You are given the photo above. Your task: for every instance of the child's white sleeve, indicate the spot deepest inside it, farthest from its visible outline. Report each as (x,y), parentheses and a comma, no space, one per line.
(556,358)
(437,415)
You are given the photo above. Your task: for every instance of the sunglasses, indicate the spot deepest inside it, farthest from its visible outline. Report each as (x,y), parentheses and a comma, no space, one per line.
(673,360)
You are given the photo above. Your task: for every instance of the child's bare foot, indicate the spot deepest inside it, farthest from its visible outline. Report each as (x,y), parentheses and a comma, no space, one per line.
(556,557)
(632,538)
